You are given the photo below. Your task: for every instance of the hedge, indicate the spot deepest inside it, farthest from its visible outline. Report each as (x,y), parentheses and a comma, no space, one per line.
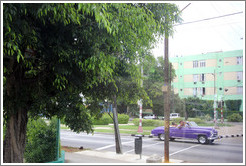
(148,122)
(226,114)
(41,141)
(106,119)
(235,118)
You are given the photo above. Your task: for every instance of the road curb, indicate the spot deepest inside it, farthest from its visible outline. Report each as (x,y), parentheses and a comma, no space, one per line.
(230,136)
(150,136)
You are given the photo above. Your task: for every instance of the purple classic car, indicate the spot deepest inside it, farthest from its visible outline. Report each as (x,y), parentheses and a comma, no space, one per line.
(204,135)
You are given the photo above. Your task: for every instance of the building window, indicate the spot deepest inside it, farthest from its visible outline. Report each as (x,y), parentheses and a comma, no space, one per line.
(202,77)
(195,77)
(202,63)
(195,64)
(202,91)
(239,90)
(240,75)
(194,92)
(239,60)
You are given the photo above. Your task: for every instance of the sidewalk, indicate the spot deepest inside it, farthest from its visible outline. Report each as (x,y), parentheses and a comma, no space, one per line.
(237,128)
(92,156)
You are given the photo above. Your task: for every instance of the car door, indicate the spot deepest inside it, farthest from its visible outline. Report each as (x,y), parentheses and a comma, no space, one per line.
(188,132)
(177,132)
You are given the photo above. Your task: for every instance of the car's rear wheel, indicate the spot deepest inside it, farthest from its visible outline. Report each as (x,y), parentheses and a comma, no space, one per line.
(202,139)
(172,139)
(162,137)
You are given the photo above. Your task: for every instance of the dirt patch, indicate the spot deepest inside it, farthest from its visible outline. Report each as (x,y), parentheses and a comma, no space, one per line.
(72,149)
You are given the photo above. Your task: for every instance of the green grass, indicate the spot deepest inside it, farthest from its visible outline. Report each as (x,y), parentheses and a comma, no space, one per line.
(124,129)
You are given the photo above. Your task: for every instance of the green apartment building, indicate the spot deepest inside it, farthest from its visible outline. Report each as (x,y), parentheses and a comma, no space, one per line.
(208,75)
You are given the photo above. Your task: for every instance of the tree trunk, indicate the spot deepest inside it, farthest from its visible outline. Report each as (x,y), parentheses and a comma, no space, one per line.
(14,142)
(118,145)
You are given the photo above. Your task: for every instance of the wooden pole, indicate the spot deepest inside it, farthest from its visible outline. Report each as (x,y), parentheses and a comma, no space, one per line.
(166,93)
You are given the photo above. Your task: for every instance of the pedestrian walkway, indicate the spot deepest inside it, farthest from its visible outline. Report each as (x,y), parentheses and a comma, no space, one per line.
(236,128)
(93,156)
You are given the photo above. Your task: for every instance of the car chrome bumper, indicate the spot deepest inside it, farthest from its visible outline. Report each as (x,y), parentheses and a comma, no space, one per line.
(213,138)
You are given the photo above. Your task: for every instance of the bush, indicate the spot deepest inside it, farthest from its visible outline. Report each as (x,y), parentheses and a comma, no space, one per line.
(41,141)
(123,118)
(233,105)
(207,117)
(106,119)
(235,118)
(197,120)
(148,122)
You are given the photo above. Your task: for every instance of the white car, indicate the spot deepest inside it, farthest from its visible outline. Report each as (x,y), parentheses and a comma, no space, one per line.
(174,115)
(149,117)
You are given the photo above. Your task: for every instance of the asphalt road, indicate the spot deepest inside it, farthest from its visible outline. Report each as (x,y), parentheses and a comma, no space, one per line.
(226,150)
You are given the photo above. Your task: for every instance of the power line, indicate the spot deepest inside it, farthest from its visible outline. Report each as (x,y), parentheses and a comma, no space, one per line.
(208,18)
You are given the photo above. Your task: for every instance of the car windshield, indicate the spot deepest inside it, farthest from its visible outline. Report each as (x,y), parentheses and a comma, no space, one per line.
(193,124)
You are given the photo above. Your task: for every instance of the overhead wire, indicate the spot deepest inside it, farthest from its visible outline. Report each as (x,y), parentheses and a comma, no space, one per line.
(206,19)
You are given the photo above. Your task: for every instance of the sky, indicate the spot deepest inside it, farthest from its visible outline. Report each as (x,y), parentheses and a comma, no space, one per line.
(220,34)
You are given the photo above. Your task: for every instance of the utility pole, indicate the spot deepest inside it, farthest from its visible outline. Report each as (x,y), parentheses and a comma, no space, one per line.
(166,94)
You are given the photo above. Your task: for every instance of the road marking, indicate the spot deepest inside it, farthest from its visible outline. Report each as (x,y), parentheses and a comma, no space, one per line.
(144,147)
(109,146)
(184,149)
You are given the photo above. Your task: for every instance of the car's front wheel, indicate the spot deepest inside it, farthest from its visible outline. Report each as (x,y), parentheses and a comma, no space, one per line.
(162,137)
(202,139)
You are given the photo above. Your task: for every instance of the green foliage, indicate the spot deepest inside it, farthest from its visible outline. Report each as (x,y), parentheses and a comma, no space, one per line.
(197,120)
(62,50)
(106,119)
(148,122)
(177,120)
(4,131)
(123,118)
(41,141)
(233,105)
(207,117)
(197,107)
(57,54)
(235,117)
(153,69)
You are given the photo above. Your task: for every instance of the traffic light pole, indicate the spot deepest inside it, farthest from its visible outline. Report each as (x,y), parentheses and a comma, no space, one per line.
(140,103)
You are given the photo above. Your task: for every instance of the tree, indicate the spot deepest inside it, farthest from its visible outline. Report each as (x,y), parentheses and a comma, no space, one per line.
(154,70)
(55,53)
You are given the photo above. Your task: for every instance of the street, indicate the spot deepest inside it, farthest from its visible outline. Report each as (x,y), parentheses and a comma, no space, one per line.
(225,150)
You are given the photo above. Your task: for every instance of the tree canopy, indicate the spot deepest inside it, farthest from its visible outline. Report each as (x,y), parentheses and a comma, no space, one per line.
(53,53)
